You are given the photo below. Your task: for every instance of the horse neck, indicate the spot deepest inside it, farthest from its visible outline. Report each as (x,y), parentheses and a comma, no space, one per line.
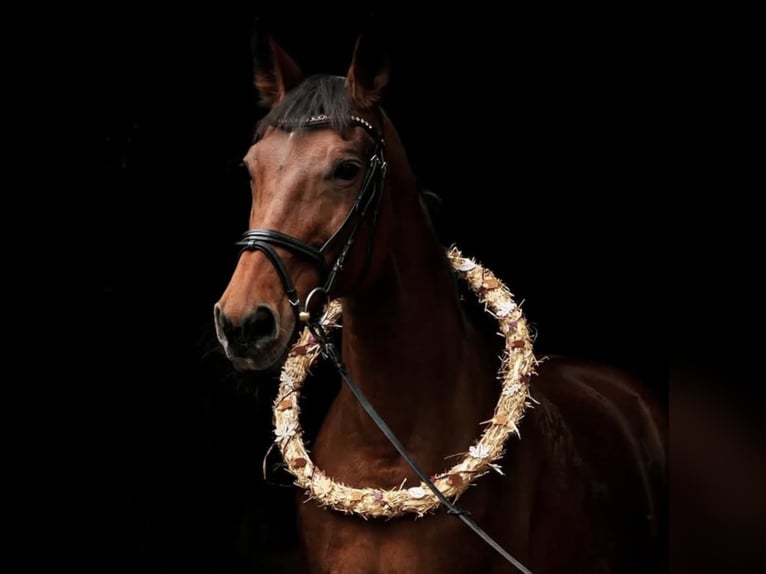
(407,344)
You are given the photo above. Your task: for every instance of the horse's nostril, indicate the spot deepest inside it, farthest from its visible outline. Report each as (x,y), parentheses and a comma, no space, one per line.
(260,325)
(221,321)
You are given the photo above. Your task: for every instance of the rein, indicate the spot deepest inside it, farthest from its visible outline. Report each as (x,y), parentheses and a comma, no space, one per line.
(365,205)
(330,352)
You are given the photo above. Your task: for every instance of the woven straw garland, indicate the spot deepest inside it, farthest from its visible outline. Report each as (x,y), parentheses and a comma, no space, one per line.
(516,366)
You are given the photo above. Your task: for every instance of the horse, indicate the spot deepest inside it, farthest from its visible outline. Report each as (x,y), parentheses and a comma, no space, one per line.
(337,216)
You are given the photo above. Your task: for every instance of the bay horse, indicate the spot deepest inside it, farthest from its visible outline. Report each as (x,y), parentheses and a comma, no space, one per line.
(582,491)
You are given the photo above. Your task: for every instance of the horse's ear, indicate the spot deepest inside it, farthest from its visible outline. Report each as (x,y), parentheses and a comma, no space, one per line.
(368,74)
(275,72)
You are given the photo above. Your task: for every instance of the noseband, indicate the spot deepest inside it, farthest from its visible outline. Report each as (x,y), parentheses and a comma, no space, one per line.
(365,207)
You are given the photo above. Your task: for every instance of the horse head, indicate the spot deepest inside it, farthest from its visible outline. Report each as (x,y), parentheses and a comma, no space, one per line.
(320,166)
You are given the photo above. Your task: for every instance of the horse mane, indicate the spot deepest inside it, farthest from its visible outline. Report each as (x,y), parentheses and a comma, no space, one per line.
(320,94)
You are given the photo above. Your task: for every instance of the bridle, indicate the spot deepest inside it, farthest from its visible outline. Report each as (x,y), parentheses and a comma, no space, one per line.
(365,207)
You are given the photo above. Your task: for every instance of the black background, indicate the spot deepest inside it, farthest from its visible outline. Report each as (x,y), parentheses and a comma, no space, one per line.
(529,123)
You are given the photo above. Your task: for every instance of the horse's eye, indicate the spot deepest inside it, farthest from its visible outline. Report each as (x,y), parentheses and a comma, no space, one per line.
(346,171)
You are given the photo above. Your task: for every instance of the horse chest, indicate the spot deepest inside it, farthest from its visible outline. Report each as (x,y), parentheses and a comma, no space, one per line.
(339,544)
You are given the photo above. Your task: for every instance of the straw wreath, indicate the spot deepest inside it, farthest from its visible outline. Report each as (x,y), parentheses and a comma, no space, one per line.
(516,366)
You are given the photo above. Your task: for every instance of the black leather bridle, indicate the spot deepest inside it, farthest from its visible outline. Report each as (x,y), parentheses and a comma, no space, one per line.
(364,208)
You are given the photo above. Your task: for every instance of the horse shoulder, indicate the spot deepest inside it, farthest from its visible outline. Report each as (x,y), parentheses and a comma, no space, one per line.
(603,436)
